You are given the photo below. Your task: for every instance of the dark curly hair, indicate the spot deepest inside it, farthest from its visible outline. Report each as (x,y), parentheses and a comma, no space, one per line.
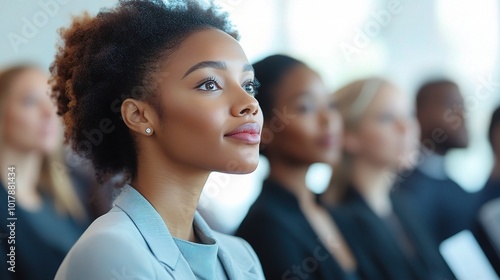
(115,55)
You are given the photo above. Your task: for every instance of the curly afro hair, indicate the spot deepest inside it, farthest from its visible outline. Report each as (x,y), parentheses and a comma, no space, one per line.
(113,56)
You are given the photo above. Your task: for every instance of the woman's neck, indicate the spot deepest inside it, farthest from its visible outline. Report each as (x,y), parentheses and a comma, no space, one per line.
(27,171)
(374,184)
(292,178)
(173,190)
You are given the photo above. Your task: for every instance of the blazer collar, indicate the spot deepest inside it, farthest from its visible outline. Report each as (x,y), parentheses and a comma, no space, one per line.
(161,243)
(225,258)
(150,225)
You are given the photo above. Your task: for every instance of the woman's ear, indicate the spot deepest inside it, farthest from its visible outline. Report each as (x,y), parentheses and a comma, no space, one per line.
(138,116)
(352,143)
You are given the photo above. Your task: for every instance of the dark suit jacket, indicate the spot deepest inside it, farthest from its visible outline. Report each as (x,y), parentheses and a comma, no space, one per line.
(443,206)
(286,244)
(489,192)
(42,239)
(360,225)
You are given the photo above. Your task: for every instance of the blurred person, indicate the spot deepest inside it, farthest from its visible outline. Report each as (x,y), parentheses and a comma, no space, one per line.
(49,215)
(491,189)
(169,90)
(293,235)
(490,195)
(378,126)
(444,206)
(97,196)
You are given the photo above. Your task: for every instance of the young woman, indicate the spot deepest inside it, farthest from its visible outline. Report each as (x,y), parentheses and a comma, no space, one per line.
(377,126)
(48,217)
(162,92)
(293,235)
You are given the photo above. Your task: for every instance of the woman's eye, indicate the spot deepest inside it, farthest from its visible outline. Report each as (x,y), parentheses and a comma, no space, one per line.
(209,86)
(332,106)
(29,101)
(306,108)
(386,118)
(250,88)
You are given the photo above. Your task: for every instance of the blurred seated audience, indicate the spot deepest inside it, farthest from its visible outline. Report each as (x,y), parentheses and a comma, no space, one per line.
(97,197)
(444,206)
(487,226)
(293,235)
(378,126)
(49,215)
(491,189)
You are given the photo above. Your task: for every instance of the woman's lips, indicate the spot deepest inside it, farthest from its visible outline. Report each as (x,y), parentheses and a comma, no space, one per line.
(249,133)
(328,141)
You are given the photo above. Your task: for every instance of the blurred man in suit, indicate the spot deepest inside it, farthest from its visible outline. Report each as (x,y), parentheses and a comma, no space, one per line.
(442,204)
(486,227)
(491,189)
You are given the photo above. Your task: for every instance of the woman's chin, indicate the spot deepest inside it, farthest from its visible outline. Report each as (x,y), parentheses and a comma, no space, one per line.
(243,166)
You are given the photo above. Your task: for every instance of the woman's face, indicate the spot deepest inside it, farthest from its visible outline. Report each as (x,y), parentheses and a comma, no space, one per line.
(384,132)
(210,119)
(411,153)
(304,127)
(31,123)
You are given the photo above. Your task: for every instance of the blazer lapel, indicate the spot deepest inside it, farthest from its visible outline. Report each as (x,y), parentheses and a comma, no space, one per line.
(235,272)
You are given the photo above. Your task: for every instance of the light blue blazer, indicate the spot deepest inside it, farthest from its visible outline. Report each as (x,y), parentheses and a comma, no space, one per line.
(131,241)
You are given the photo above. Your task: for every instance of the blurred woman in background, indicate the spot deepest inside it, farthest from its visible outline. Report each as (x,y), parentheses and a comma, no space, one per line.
(486,227)
(293,235)
(50,217)
(377,130)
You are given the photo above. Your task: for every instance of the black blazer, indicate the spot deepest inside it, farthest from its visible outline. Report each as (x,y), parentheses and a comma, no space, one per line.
(360,225)
(286,244)
(442,205)
(42,240)
(489,192)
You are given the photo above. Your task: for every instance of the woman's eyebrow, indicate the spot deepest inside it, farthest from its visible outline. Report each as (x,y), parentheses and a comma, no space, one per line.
(219,65)
(206,64)
(248,68)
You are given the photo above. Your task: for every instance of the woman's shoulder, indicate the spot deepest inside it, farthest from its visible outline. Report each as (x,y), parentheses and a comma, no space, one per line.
(111,248)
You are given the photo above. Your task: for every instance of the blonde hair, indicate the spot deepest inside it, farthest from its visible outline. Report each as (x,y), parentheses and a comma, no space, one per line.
(54,179)
(352,102)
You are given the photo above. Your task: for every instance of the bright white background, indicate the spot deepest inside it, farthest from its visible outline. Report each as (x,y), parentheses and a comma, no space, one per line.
(407,41)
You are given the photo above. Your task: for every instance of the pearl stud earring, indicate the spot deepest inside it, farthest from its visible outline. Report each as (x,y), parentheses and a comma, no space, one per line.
(148,130)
